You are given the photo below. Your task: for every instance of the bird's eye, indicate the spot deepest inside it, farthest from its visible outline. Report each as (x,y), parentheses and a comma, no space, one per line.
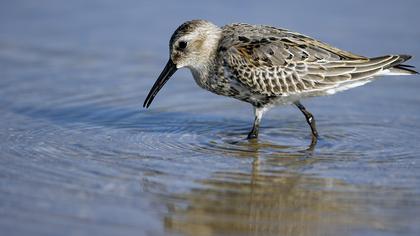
(182,44)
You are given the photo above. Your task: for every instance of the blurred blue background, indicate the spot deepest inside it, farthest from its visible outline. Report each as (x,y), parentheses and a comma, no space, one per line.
(80,157)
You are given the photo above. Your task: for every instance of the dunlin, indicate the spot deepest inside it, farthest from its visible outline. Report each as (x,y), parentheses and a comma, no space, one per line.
(267,66)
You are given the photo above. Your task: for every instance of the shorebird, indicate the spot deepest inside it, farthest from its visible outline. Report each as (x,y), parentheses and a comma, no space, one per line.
(267,66)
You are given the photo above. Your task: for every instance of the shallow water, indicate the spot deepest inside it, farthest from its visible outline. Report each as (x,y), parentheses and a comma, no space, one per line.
(79,156)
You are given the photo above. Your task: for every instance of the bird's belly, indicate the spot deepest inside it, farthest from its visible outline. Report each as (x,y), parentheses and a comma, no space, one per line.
(223,86)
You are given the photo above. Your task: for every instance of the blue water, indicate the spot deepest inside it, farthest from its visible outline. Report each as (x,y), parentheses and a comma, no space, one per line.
(79,156)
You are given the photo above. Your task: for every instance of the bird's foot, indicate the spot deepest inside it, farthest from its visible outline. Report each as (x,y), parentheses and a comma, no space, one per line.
(252,135)
(314,141)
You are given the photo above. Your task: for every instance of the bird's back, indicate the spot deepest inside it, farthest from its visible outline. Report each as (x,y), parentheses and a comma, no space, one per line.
(274,62)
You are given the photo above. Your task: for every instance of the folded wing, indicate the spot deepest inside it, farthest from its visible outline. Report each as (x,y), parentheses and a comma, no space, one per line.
(276,62)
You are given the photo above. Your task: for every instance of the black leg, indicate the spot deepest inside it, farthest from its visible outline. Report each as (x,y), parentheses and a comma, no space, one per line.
(310,119)
(258,111)
(255,129)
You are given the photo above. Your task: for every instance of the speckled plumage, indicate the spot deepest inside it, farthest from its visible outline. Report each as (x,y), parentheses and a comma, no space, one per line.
(267,66)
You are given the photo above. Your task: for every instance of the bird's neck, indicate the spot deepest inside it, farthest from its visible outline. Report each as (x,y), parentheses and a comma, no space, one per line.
(202,74)
(205,64)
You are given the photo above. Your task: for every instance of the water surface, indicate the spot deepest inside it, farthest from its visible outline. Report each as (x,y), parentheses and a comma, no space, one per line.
(79,156)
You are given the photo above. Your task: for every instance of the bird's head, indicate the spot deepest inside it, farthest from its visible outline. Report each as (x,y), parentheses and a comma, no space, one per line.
(192,45)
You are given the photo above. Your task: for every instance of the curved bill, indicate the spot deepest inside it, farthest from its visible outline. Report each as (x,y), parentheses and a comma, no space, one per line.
(164,76)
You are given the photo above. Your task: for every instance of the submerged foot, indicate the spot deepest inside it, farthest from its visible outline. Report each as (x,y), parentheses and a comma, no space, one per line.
(252,135)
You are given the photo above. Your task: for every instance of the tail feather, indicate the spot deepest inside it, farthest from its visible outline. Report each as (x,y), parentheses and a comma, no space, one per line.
(408,66)
(401,70)
(343,75)
(397,68)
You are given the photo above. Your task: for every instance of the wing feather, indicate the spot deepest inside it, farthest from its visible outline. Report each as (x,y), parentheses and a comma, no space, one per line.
(274,62)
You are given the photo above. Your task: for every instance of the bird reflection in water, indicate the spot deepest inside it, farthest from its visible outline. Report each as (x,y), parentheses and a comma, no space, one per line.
(278,196)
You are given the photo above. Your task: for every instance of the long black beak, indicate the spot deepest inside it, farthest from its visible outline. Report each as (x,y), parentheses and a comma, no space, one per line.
(164,76)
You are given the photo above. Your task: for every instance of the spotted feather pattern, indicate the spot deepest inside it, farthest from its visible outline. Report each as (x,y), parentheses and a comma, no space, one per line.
(276,62)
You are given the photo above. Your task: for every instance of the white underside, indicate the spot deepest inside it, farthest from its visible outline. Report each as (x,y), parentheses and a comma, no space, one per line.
(346,86)
(334,89)
(289,99)
(353,84)
(389,72)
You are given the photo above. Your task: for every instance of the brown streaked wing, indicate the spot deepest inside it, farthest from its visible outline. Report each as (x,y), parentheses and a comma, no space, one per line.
(277,62)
